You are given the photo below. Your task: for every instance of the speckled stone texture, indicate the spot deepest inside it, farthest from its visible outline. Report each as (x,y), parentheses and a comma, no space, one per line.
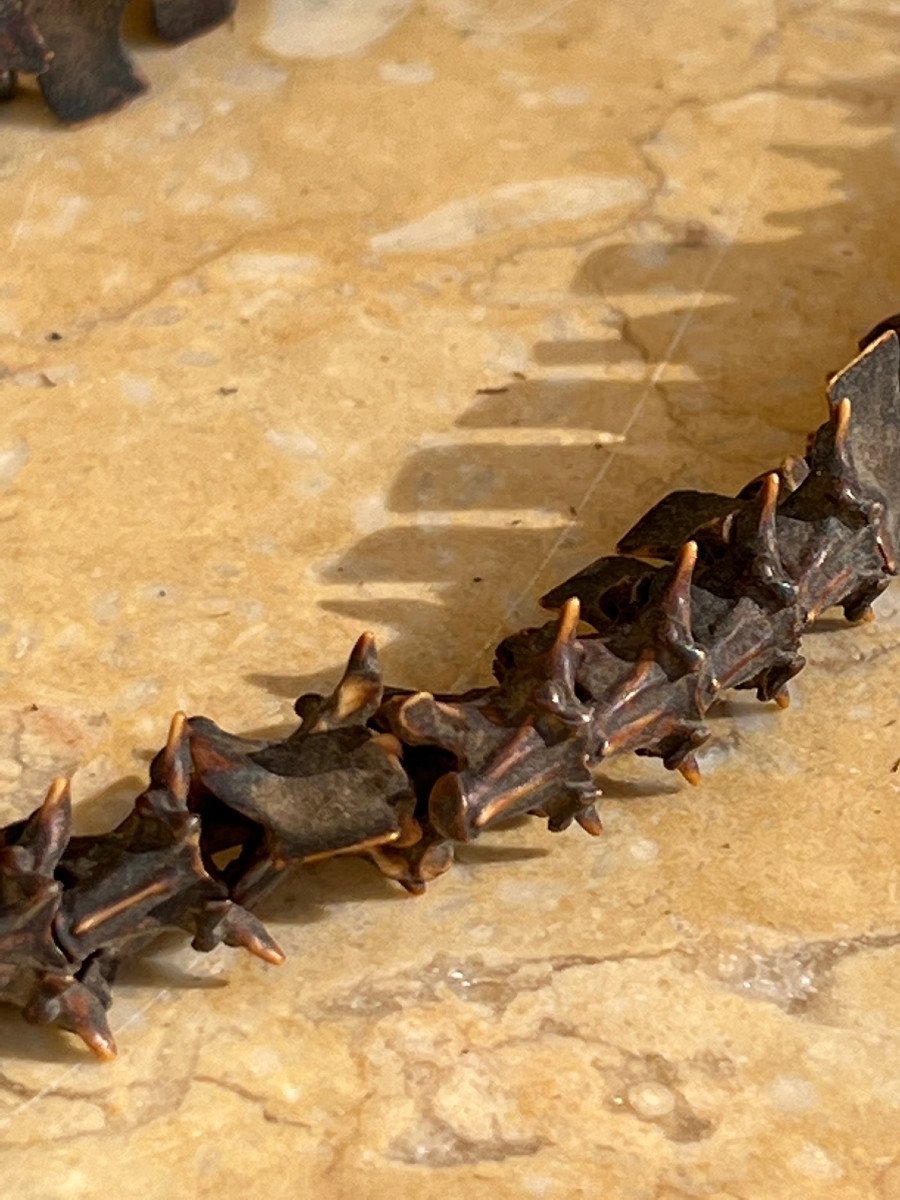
(381,314)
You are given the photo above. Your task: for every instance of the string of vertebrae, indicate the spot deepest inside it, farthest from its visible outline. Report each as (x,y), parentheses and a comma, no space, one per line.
(401,776)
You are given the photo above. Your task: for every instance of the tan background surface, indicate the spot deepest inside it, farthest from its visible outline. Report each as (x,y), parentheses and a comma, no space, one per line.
(282,282)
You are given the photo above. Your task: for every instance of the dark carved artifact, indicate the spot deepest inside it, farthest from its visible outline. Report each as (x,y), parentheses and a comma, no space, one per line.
(401,776)
(74,48)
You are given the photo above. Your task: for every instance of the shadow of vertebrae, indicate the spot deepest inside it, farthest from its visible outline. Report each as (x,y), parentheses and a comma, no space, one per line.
(715,372)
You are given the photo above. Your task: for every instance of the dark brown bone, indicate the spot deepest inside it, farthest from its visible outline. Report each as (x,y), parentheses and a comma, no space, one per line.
(148,875)
(70,907)
(178,20)
(21,46)
(333,787)
(35,973)
(401,776)
(75,48)
(89,72)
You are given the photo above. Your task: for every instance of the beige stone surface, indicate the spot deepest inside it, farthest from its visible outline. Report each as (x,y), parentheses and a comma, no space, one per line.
(384,314)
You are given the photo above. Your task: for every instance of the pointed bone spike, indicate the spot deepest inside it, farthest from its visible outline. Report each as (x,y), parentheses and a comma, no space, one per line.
(269,951)
(769,500)
(677,633)
(57,806)
(569,616)
(176,758)
(46,833)
(224,921)
(842,418)
(678,594)
(589,820)
(93,1029)
(243,929)
(841,466)
(364,655)
(766,528)
(561,660)
(50,826)
(690,770)
(767,567)
(63,1001)
(100,1042)
(176,732)
(361,685)
(56,793)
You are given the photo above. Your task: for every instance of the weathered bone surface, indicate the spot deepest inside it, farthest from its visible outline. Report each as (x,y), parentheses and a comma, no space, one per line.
(401,776)
(75,49)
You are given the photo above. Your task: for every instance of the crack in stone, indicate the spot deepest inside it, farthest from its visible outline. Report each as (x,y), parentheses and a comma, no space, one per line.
(165,1093)
(27,1095)
(494,985)
(649,1086)
(245,1093)
(36,743)
(796,977)
(432,1141)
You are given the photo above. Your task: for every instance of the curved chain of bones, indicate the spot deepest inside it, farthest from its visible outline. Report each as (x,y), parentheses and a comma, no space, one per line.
(707,592)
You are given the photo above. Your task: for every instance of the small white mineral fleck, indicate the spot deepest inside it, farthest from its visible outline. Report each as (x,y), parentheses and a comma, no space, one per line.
(651,1100)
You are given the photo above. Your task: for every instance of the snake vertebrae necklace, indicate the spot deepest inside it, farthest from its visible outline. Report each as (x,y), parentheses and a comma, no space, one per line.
(707,592)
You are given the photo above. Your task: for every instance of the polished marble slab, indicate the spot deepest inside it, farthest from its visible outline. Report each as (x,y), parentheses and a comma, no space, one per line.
(384,314)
